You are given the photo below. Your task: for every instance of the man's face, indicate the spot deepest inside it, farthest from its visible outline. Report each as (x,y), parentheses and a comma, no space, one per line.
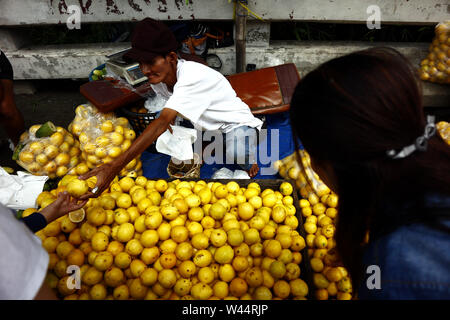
(159,70)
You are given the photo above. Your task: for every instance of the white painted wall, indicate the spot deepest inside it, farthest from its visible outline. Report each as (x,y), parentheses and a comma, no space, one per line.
(26,12)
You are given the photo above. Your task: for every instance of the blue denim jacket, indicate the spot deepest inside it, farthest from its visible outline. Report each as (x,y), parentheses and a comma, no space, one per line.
(414,259)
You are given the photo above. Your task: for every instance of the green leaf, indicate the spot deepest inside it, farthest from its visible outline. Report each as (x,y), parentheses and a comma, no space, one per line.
(19,214)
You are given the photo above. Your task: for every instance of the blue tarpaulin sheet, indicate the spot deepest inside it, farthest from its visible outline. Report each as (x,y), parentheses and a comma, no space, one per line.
(276,145)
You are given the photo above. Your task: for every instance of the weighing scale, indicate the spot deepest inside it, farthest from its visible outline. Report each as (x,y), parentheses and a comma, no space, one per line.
(129,71)
(112,93)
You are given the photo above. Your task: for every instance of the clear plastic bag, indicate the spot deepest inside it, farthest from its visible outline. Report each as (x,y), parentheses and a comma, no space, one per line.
(103,137)
(436,66)
(155,104)
(53,156)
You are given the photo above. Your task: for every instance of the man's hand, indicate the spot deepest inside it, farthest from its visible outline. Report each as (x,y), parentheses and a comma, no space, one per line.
(105,174)
(61,206)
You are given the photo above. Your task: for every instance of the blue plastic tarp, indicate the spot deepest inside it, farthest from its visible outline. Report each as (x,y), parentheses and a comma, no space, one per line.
(277,144)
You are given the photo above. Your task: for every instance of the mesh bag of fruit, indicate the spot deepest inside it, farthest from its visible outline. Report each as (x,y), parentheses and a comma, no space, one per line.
(444,131)
(47,150)
(436,66)
(319,209)
(307,181)
(87,116)
(103,137)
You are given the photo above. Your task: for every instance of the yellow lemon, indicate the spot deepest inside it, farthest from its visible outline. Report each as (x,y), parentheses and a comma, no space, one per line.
(224,254)
(36,147)
(254,277)
(217,211)
(273,248)
(129,134)
(233,187)
(61,159)
(99,241)
(299,288)
(251,192)
(81,168)
(116,138)
(286,188)
(277,269)
(235,237)
(124,201)
(262,293)
(238,287)
(200,241)
(193,200)
(28,157)
(218,237)
(282,289)
(125,232)
(201,291)
(251,236)
(161,185)
(77,188)
(126,184)
(50,167)
(221,192)
(114,151)
(40,158)
(246,210)
(138,195)
(61,171)
(107,126)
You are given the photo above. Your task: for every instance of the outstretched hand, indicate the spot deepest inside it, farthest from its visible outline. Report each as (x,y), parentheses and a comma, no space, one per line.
(105,174)
(61,206)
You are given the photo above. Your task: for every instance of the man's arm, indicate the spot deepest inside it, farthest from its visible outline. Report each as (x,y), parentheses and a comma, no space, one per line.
(150,134)
(106,173)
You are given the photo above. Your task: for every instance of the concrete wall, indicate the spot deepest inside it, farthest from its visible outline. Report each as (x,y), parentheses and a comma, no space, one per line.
(29,12)
(76,61)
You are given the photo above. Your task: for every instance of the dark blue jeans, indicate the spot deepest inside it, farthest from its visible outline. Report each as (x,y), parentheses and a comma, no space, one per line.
(240,147)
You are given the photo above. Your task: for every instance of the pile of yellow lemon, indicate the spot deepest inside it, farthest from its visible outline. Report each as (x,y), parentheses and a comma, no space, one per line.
(103,137)
(436,66)
(444,131)
(147,239)
(53,156)
(319,210)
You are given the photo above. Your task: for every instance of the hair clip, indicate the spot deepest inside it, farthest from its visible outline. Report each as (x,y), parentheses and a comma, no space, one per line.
(420,144)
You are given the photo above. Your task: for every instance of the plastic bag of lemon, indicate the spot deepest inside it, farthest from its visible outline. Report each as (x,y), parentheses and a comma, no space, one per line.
(146,239)
(319,210)
(103,137)
(48,150)
(436,66)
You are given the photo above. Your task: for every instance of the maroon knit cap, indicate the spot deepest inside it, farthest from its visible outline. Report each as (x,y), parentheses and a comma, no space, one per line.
(150,39)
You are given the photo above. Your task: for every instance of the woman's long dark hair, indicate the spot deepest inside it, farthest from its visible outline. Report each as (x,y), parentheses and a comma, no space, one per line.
(348,112)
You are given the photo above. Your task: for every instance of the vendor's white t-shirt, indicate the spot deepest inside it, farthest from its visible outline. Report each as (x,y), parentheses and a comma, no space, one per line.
(206,98)
(24,261)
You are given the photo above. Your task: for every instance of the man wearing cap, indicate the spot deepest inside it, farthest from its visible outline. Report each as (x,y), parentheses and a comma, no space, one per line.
(193,91)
